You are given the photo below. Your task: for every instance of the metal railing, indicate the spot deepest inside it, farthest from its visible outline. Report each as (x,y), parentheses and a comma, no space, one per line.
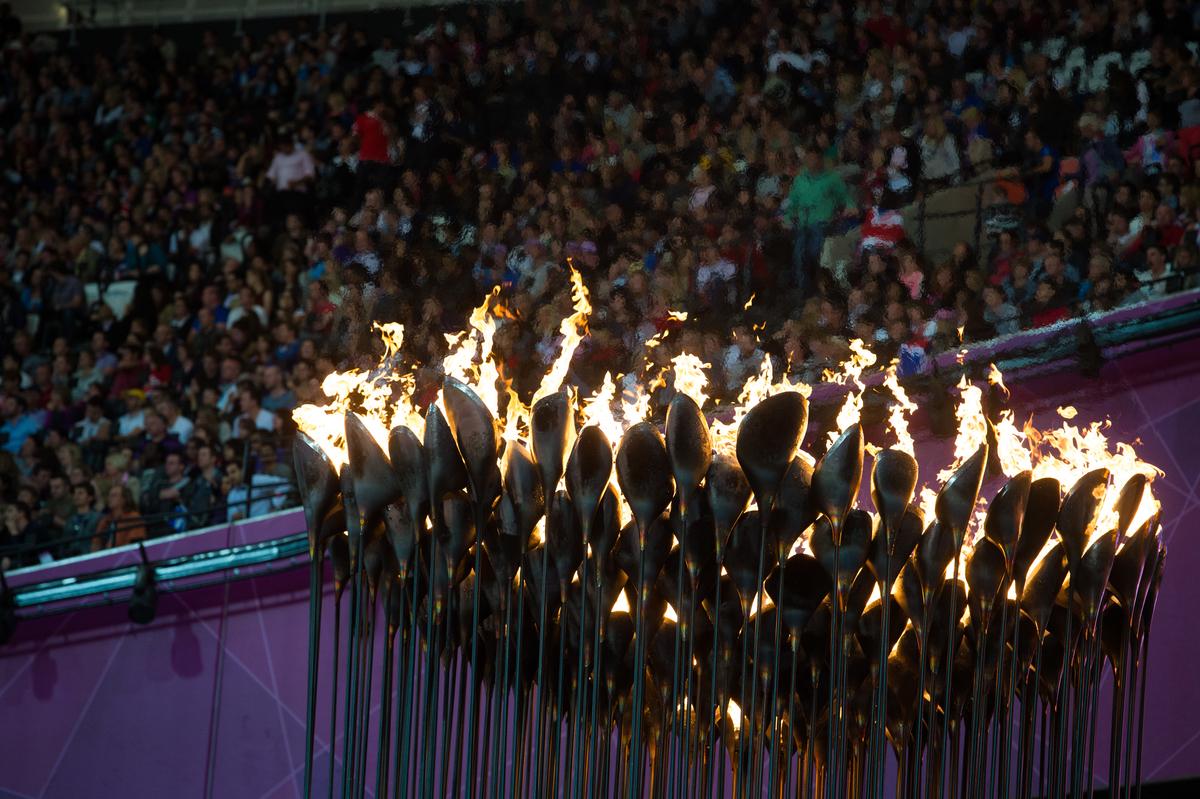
(183,572)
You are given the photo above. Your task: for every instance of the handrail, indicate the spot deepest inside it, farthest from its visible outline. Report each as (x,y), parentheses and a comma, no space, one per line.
(169,571)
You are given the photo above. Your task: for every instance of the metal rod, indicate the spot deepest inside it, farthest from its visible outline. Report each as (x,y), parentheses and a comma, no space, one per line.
(314,648)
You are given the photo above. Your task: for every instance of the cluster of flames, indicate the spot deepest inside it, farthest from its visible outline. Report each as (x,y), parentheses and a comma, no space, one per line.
(385,397)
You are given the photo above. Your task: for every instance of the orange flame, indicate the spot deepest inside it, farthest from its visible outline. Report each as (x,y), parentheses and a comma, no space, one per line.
(756,389)
(899,412)
(690,377)
(1069,452)
(850,373)
(571,330)
(384,398)
(597,410)
(1065,453)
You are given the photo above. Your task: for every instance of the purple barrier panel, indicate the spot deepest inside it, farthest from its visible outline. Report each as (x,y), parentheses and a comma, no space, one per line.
(251,531)
(98,706)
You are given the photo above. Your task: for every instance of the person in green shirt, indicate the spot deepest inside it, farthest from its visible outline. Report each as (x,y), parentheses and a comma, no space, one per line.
(818,196)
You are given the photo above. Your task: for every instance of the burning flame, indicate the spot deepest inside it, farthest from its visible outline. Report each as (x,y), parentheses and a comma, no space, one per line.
(972,427)
(571,330)
(597,410)
(381,397)
(754,390)
(621,605)
(385,397)
(1069,452)
(850,373)
(690,378)
(1066,453)
(899,412)
(972,431)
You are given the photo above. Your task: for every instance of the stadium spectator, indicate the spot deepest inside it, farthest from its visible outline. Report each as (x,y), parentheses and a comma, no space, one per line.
(80,526)
(257,495)
(121,524)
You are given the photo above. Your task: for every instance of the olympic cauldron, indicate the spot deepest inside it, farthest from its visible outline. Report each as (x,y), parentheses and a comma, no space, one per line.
(663,614)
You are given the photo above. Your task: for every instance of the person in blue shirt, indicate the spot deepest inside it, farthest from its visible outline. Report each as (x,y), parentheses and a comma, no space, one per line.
(1041,173)
(18,424)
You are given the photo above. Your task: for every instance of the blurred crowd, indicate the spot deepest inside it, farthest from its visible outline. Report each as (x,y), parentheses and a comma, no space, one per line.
(264,199)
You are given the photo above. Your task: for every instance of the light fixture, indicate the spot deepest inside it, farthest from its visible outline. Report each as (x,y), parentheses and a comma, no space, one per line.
(8,611)
(143,599)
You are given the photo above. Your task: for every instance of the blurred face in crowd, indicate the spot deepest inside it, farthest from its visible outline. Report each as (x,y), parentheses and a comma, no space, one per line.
(155,427)
(116,500)
(205,459)
(1053,265)
(81,498)
(248,403)
(233,475)
(173,466)
(301,372)
(230,369)
(58,487)
(1156,259)
(272,377)
(1098,268)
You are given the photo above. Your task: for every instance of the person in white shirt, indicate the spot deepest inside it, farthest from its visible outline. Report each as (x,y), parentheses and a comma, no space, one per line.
(263,494)
(1153,278)
(247,305)
(387,57)
(133,420)
(742,360)
(291,172)
(291,168)
(93,427)
(177,424)
(715,276)
(253,414)
(231,370)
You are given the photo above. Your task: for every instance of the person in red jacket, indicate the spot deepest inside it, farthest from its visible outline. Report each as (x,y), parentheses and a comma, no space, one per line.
(371,130)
